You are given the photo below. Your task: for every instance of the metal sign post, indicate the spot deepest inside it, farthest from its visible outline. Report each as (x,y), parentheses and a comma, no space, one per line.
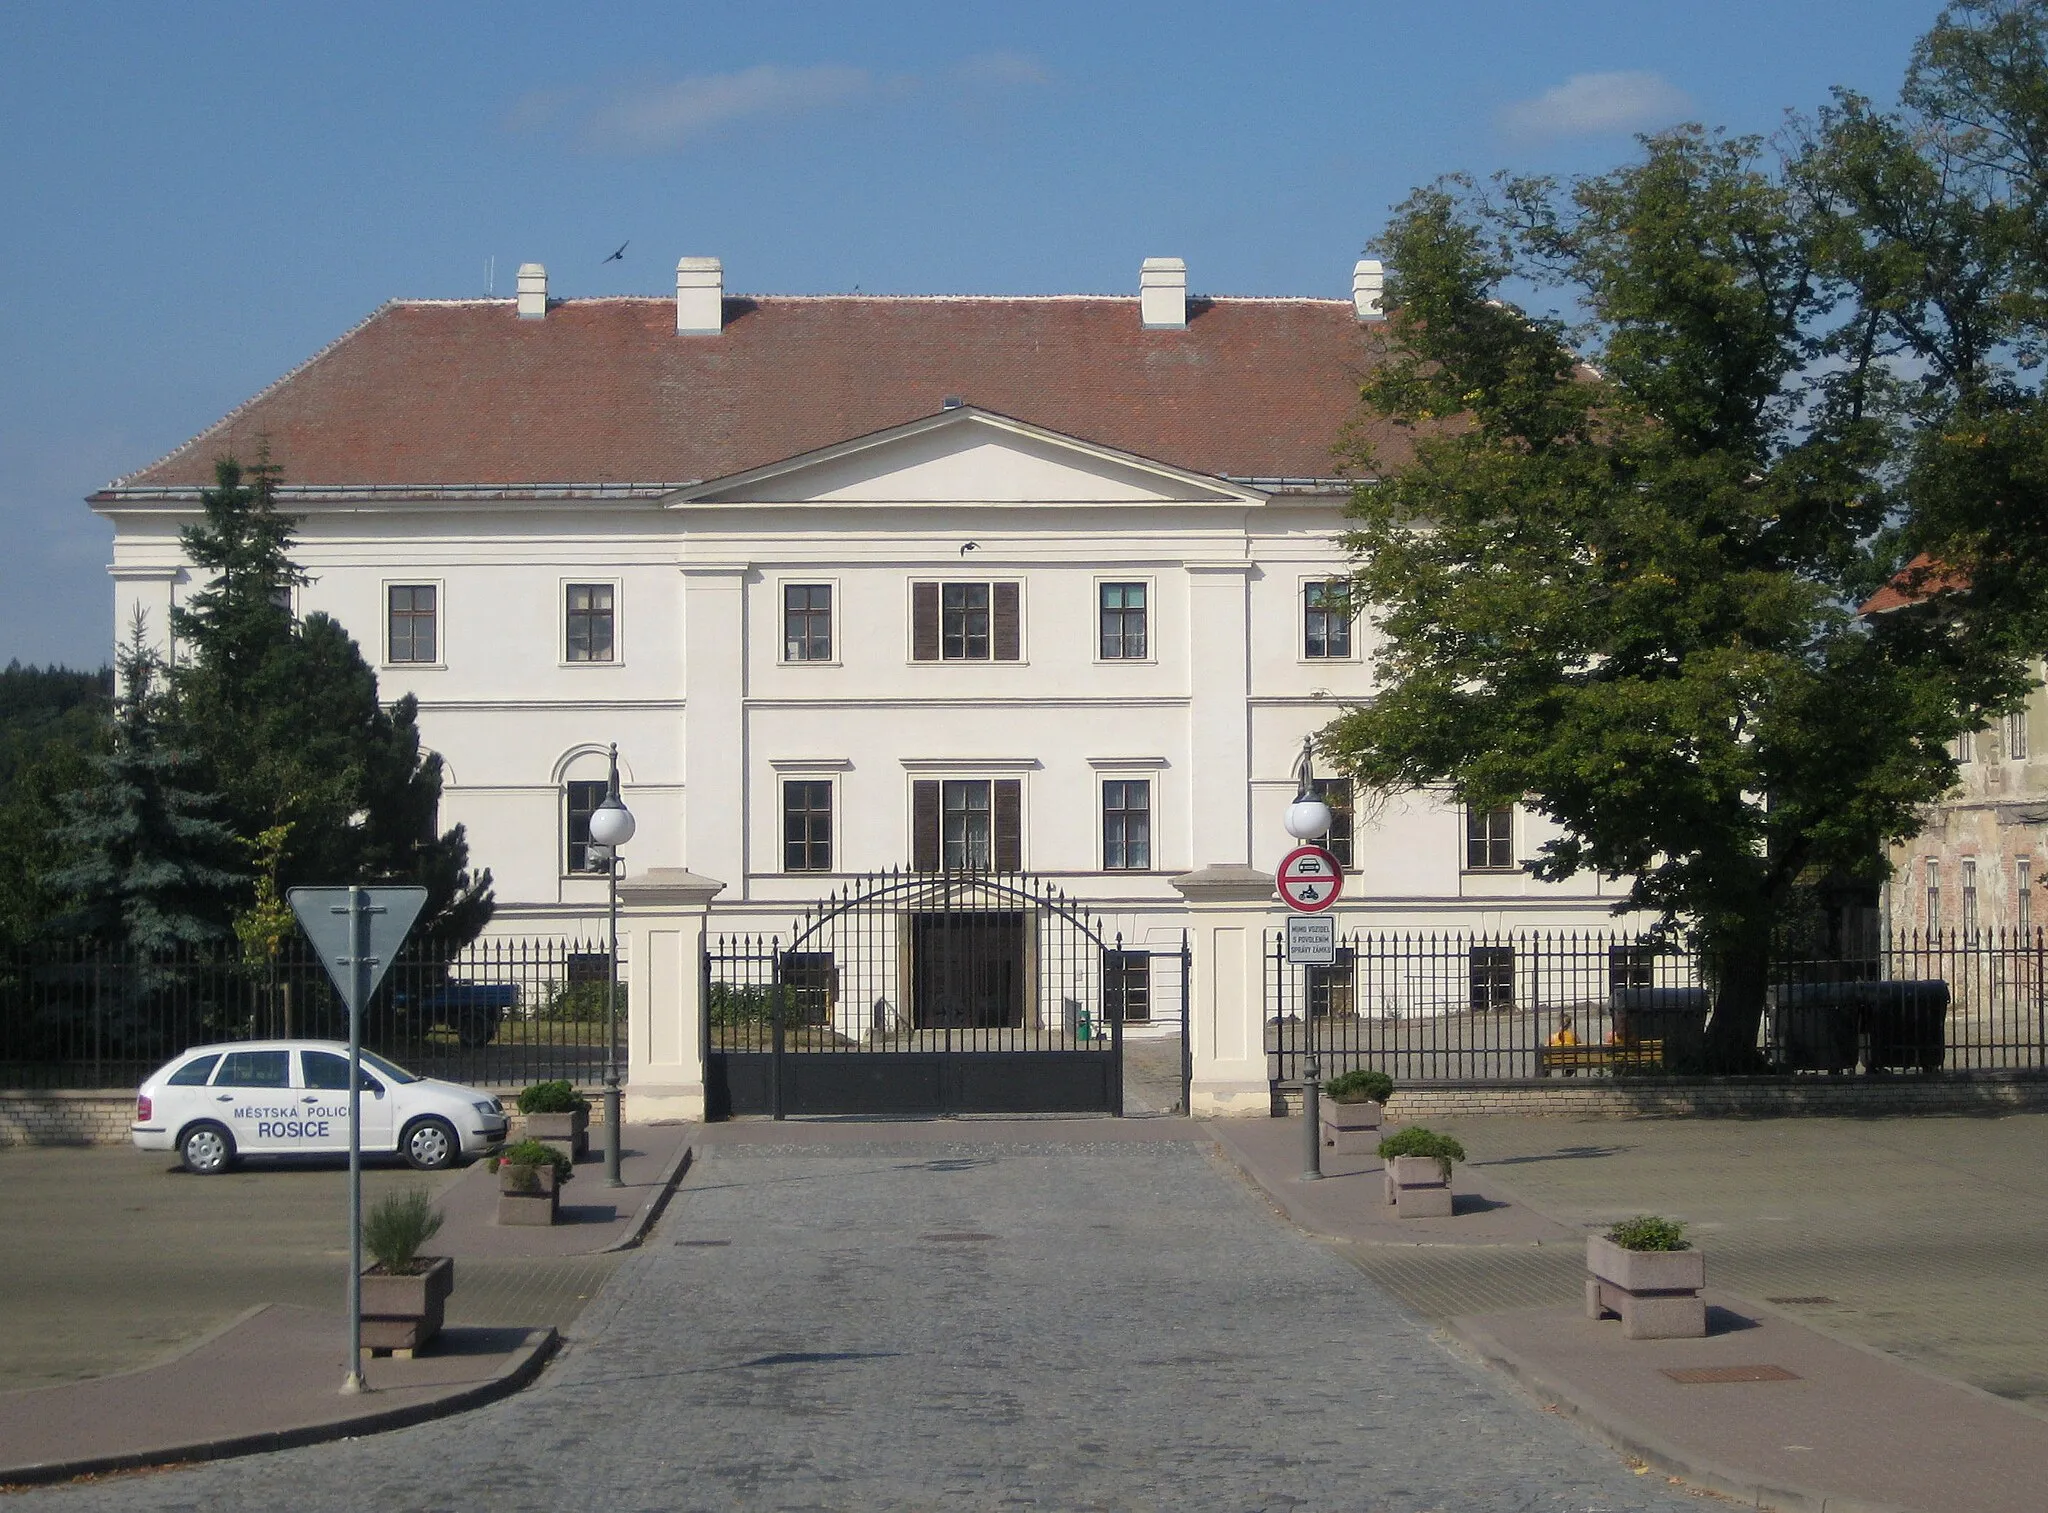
(357,932)
(1310,880)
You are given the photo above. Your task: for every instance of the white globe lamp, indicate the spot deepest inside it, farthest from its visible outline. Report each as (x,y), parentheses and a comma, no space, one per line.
(611,824)
(1307,817)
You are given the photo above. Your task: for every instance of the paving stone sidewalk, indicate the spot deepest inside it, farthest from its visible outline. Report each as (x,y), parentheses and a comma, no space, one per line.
(991,1316)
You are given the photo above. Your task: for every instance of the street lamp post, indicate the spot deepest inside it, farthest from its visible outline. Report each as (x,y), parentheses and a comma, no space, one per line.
(1306,818)
(611,826)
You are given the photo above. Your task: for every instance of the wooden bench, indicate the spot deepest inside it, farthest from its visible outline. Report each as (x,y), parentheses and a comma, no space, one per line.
(1568,1059)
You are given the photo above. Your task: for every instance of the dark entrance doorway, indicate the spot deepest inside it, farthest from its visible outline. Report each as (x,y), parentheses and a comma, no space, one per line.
(919,993)
(967,971)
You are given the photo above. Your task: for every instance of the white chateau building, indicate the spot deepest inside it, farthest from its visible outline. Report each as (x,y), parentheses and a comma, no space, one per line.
(1039,585)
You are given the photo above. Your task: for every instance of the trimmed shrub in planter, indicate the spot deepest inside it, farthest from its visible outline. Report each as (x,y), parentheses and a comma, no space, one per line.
(405,1294)
(556,1112)
(530,1178)
(1419,1172)
(1646,1272)
(1352,1109)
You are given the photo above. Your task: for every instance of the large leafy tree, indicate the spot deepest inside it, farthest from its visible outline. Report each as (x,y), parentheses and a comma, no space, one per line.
(1616,578)
(52,722)
(147,866)
(332,783)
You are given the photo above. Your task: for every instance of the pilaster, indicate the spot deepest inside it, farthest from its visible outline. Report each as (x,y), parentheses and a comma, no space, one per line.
(1229,907)
(714,718)
(662,917)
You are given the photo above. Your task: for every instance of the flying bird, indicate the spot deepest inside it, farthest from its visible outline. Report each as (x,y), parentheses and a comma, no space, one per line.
(620,255)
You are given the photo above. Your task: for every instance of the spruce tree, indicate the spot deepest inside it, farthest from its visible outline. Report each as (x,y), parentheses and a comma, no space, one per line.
(288,716)
(148,868)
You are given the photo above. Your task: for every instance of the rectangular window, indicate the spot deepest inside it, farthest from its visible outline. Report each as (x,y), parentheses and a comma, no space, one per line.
(1333,990)
(812,981)
(412,622)
(1127,825)
(1959,748)
(254,1069)
(1336,792)
(1122,616)
(1489,840)
(966,622)
(2016,736)
(1326,619)
(591,622)
(967,825)
(2023,892)
(1631,967)
(807,825)
(806,622)
(1933,895)
(583,799)
(1969,896)
(1492,973)
(1127,985)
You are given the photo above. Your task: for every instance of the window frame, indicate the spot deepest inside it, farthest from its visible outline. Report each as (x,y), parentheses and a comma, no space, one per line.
(440,657)
(1146,780)
(1301,623)
(967,772)
(569,813)
(1489,868)
(830,783)
(832,620)
(1151,588)
(1342,817)
(2017,742)
(562,610)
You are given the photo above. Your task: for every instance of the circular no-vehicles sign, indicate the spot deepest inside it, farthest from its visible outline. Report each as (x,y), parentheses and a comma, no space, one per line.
(1310,879)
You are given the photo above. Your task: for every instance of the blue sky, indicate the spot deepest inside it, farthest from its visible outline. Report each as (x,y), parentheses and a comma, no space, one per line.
(199,196)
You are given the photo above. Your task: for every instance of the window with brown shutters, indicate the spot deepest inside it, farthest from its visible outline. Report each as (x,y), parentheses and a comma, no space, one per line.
(966,622)
(967,825)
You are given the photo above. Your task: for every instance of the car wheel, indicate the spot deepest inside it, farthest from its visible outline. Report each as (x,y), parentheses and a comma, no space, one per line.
(429,1144)
(207,1150)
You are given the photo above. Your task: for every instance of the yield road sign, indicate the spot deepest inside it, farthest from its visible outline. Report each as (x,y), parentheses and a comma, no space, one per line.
(1310,879)
(328,916)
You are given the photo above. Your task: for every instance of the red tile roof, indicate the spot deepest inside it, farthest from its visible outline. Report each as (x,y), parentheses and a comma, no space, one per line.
(1915,583)
(604,391)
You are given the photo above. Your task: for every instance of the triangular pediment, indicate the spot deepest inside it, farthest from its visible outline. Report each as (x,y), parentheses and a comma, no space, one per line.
(967,456)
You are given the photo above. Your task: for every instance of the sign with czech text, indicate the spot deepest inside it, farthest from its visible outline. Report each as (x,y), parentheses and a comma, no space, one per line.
(1310,879)
(1311,940)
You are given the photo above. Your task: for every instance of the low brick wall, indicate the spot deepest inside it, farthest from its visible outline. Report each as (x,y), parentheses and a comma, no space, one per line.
(67,1117)
(102,1117)
(1722,1098)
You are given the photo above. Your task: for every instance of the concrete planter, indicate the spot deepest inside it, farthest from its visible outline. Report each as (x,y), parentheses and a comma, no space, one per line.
(569,1132)
(401,1314)
(1418,1188)
(1351,1128)
(528,1195)
(1655,1293)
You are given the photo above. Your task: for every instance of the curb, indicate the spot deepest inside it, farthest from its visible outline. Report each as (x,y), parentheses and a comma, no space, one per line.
(521,1369)
(1632,1439)
(651,1210)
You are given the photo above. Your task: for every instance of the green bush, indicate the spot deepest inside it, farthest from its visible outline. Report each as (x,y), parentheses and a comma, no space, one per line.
(1649,1232)
(578,1002)
(1417,1141)
(1361,1086)
(397,1225)
(732,1004)
(557,1097)
(532,1153)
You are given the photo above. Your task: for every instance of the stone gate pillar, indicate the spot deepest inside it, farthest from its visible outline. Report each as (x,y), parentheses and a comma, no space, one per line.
(662,918)
(1230,906)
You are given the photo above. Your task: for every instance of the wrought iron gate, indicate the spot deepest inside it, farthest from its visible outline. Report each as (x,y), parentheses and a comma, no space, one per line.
(920,993)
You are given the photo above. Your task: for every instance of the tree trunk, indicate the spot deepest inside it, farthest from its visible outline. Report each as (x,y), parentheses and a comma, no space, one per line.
(1743,969)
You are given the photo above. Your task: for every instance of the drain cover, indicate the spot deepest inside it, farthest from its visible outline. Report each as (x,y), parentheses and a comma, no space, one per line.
(956,1239)
(1701,1375)
(1817,1300)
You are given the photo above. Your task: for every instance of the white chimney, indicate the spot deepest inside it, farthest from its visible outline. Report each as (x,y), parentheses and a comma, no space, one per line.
(700,296)
(1367,280)
(533,291)
(1163,294)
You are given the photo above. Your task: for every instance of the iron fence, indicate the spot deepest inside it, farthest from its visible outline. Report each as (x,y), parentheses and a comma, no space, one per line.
(502,1013)
(1455,1007)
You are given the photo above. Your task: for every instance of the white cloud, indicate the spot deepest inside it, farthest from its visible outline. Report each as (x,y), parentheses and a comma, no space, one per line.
(664,116)
(1597,105)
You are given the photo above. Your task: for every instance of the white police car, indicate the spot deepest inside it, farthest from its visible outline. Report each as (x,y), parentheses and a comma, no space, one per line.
(215,1103)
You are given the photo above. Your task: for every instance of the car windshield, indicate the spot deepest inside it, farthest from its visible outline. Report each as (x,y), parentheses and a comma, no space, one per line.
(389,1069)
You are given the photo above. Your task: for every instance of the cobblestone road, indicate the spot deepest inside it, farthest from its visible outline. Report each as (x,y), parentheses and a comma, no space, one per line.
(965,1325)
